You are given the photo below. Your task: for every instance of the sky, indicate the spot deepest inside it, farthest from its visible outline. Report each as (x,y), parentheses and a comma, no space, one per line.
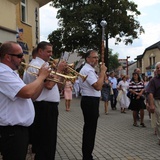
(149,19)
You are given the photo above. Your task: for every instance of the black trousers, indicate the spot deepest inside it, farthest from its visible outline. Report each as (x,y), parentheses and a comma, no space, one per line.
(14,142)
(90,109)
(114,98)
(44,130)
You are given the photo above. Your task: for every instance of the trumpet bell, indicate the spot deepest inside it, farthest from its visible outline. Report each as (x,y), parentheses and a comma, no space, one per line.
(84,77)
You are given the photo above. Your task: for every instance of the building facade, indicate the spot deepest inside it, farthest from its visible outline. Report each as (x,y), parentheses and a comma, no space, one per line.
(146,62)
(19,21)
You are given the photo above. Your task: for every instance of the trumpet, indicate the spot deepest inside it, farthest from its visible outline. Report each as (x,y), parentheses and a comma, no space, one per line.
(84,77)
(70,68)
(72,78)
(53,62)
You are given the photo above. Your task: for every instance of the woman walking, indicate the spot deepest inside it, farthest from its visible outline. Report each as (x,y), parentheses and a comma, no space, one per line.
(105,93)
(68,94)
(136,89)
(122,98)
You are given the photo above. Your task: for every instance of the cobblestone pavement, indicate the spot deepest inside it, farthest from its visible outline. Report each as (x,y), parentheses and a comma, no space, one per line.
(116,138)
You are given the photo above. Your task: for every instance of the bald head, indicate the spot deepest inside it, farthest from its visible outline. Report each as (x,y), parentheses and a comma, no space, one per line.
(7,48)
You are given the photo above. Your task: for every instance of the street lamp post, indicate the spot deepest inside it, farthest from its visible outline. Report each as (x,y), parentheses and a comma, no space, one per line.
(103,24)
(127,64)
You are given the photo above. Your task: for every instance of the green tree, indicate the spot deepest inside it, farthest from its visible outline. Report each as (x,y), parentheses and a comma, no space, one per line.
(114,63)
(79,22)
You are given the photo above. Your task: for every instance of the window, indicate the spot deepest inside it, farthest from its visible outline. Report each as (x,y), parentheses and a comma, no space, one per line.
(152,60)
(23,11)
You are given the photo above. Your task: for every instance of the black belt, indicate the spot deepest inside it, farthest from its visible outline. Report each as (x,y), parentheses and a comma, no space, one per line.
(91,97)
(10,131)
(15,126)
(46,102)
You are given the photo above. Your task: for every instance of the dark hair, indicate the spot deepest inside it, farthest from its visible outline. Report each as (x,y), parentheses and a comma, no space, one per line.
(139,78)
(135,70)
(124,76)
(42,45)
(6,47)
(88,53)
(34,52)
(111,73)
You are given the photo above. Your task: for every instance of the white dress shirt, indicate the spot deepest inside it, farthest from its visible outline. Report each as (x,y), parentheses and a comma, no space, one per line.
(13,110)
(46,95)
(86,86)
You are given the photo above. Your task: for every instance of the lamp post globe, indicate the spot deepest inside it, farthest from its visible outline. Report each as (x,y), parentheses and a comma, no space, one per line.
(103,23)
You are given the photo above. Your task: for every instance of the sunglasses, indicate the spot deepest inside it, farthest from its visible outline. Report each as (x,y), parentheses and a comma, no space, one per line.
(20,55)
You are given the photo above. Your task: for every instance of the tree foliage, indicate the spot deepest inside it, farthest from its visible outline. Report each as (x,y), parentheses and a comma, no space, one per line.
(79,23)
(114,63)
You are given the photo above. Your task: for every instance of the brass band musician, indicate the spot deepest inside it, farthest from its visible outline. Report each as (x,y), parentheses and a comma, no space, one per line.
(17,111)
(44,128)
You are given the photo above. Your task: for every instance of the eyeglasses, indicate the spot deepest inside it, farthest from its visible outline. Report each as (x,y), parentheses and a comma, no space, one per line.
(20,55)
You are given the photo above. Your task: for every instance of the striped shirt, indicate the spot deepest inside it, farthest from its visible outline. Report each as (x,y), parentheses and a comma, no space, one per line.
(136,86)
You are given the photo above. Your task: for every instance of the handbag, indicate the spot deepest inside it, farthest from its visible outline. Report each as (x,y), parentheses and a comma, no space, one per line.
(111,91)
(119,96)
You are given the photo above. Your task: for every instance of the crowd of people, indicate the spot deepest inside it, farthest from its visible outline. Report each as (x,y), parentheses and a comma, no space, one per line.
(29,104)
(136,94)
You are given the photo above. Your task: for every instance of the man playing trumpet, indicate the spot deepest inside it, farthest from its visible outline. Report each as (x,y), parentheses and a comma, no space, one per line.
(44,128)
(17,110)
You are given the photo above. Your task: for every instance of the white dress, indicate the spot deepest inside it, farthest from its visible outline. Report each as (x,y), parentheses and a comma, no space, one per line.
(76,87)
(122,98)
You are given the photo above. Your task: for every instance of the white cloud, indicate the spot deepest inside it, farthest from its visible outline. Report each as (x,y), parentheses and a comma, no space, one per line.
(151,36)
(146,3)
(48,21)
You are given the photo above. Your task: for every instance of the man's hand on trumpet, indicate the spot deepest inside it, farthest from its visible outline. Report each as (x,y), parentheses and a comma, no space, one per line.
(44,71)
(62,66)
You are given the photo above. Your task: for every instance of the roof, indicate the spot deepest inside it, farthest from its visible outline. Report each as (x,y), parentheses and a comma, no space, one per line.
(154,46)
(138,57)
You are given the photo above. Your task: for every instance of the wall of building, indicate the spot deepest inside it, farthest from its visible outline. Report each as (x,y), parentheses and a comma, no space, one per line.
(146,62)
(29,27)
(12,28)
(33,18)
(7,21)
(131,68)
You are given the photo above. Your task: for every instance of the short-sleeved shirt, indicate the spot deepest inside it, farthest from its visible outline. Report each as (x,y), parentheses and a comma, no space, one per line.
(136,86)
(13,110)
(113,82)
(86,86)
(46,95)
(154,87)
